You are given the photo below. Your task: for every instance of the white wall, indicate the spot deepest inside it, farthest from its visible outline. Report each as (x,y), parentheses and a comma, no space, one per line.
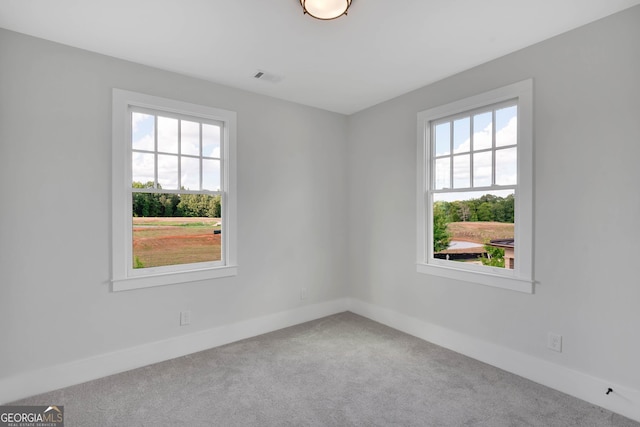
(55,170)
(587,146)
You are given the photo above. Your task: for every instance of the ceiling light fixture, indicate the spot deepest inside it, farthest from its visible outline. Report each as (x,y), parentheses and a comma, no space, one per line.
(325,9)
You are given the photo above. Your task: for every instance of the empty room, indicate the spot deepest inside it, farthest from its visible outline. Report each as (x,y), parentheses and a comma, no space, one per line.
(319,213)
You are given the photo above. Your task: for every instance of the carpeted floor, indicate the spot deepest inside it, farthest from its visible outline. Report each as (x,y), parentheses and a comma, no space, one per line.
(342,370)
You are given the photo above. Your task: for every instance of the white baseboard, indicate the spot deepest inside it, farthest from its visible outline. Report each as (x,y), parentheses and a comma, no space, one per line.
(54,377)
(622,400)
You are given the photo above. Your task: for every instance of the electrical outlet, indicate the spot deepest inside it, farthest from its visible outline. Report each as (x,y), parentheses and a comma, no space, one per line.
(185,317)
(303,294)
(554,342)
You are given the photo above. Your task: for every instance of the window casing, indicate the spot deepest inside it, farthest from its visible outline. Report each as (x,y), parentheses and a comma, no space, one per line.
(465,152)
(196,161)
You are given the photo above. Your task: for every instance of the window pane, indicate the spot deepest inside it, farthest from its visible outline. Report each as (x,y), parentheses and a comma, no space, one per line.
(462,171)
(506,126)
(474,227)
(167,135)
(210,140)
(461,135)
(142,168)
(211,175)
(482,169)
(142,131)
(190,137)
(482,129)
(190,173)
(443,173)
(443,139)
(161,238)
(507,166)
(168,171)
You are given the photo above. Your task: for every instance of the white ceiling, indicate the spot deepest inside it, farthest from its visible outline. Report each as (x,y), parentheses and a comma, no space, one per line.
(382,49)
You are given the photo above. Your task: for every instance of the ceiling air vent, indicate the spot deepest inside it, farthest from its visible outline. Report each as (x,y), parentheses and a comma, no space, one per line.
(266,76)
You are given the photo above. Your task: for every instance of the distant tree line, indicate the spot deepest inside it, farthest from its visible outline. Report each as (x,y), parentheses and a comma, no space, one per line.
(485,208)
(174,205)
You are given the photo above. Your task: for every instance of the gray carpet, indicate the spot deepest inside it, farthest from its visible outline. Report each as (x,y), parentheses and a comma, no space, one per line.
(342,370)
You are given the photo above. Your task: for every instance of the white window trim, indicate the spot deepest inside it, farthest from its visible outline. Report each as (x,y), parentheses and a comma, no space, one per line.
(122,276)
(521,278)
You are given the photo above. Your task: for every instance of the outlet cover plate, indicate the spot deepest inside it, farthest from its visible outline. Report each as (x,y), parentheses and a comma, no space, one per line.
(185,317)
(554,342)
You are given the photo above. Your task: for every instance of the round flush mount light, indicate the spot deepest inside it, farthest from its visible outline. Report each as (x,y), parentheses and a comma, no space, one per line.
(325,9)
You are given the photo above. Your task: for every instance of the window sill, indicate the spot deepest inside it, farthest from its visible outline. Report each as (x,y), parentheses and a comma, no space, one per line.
(130,283)
(494,280)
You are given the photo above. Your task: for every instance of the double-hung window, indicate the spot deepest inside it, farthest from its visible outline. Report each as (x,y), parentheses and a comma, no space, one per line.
(173,191)
(475,189)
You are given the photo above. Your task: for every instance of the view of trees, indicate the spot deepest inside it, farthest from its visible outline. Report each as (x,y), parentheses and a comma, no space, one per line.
(486,208)
(493,257)
(174,205)
(441,236)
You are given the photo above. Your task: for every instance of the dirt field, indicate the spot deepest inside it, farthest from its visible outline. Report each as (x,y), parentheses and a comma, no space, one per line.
(172,241)
(480,232)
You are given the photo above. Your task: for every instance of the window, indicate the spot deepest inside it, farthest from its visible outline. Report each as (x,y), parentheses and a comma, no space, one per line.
(475,189)
(173,191)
